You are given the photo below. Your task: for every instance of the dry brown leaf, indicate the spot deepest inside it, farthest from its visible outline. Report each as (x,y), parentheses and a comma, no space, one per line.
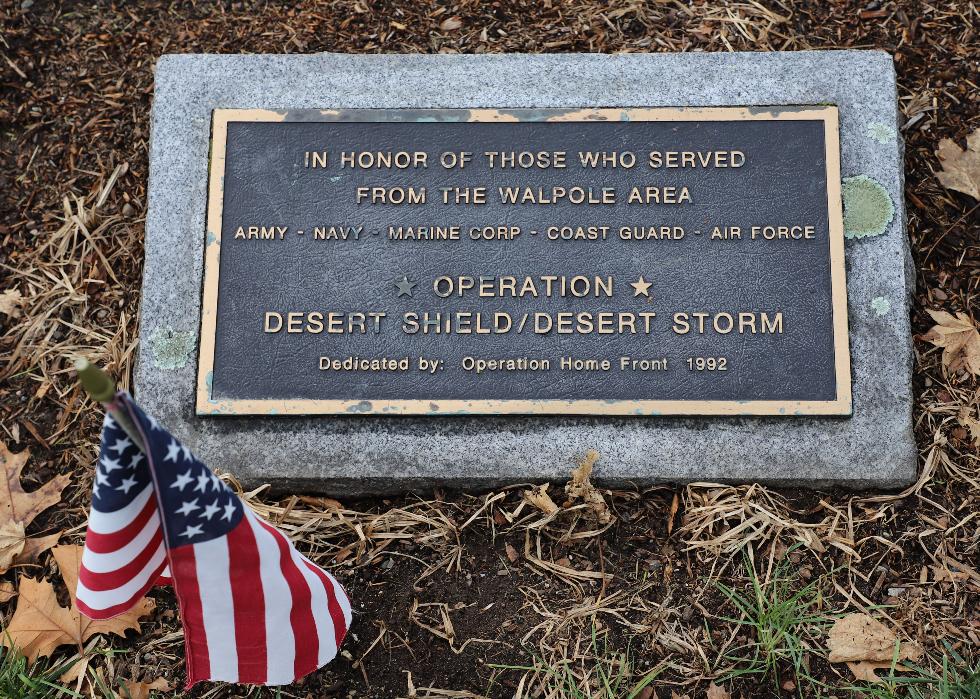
(35,547)
(40,624)
(940,574)
(141,690)
(16,505)
(966,419)
(328,503)
(451,24)
(865,670)
(344,553)
(717,692)
(75,671)
(580,487)
(11,543)
(540,499)
(10,301)
(958,337)
(19,508)
(961,168)
(7,591)
(17,549)
(512,554)
(866,644)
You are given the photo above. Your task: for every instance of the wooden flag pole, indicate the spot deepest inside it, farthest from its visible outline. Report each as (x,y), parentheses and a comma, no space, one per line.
(102,388)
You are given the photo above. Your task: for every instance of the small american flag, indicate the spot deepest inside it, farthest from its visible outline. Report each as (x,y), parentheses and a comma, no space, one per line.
(254,609)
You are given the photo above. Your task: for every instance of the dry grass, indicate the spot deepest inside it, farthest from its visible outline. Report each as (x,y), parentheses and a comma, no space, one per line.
(574,595)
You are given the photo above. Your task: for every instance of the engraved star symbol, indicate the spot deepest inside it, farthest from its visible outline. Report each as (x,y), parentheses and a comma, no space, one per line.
(405,286)
(173,451)
(192,531)
(126,484)
(182,480)
(101,478)
(120,446)
(229,511)
(188,507)
(641,287)
(136,460)
(210,511)
(109,423)
(186,452)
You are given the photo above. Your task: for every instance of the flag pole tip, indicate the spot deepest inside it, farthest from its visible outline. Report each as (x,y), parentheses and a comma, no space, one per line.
(95,381)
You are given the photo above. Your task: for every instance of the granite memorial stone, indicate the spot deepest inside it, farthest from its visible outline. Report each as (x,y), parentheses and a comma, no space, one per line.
(373,273)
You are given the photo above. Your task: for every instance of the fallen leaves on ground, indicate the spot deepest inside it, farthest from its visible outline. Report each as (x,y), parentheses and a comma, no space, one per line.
(11,543)
(943,574)
(19,508)
(540,499)
(961,168)
(580,487)
(141,690)
(866,645)
(451,24)
(10,301)
(958,337)
(7,591)
(966,419)
(40,624)
(717,692)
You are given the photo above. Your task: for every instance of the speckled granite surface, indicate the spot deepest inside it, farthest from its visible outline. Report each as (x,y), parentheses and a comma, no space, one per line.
(350,455)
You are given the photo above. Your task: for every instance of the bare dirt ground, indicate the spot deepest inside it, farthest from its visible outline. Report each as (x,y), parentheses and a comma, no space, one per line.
(449,587)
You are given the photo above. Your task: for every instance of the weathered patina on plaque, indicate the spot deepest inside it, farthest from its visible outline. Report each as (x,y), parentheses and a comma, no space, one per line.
(598,261)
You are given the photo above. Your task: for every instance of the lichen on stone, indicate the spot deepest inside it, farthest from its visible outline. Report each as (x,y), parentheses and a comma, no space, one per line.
(882,133)
(171,348)
(880,305)
(868,207)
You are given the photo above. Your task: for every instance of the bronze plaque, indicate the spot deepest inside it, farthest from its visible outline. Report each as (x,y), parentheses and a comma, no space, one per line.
(498,261)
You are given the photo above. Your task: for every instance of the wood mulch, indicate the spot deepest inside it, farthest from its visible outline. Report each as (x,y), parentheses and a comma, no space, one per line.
(447,585)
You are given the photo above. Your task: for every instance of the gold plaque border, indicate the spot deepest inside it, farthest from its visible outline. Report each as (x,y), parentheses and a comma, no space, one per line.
(841,405)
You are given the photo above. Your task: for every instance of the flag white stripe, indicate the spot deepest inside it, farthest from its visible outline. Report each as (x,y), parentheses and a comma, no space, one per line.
(338,593)
(103,599)
(342,600)
(280,643)
(108,562)
(321,610)
(109,522)
(217,607)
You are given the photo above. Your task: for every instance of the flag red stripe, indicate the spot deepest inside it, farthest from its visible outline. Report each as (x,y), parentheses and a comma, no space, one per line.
(184,569)
(249,600)
(107,543)
(116,609)
(98,582)
(336,613)
(301,613)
